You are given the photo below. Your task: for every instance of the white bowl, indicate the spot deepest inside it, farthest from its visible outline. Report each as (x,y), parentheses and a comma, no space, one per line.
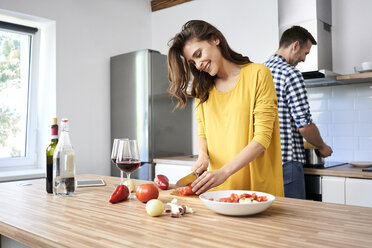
(228,208)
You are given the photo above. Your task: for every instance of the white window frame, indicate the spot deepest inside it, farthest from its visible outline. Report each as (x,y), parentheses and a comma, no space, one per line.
(42,98)
(29,160)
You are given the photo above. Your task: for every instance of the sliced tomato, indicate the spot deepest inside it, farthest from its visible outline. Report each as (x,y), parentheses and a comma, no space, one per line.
(186,190)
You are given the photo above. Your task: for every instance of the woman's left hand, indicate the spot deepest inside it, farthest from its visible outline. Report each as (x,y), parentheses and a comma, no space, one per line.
(208,180)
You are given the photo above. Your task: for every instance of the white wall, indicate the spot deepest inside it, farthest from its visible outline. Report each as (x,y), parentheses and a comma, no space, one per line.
(352,35)
(249,26)
(88,32)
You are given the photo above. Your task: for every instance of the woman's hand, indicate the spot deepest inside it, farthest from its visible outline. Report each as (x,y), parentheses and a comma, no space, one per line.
(201,164)
(208,180)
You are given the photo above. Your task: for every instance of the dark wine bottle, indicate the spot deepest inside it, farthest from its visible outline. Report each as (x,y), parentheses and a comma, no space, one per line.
(49,156)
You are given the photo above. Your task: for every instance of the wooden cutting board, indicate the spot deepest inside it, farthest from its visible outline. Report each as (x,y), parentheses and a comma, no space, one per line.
(173,193)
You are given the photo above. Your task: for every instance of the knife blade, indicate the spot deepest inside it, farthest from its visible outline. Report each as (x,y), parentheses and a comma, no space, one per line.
(188,179)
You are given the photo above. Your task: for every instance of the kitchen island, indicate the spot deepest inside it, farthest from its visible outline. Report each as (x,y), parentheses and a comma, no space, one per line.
(31,216)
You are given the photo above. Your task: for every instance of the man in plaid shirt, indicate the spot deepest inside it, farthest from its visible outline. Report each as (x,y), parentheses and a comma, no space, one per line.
(293,107)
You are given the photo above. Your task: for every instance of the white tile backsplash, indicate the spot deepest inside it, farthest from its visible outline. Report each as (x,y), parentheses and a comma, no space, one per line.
(342,155)
(365,116)
(341,103)
(318,105)
(343,115)
(363,102)
(365,144)
(321,117)
(337,130)
(345,143)
(319,93)
(344,91)
(364,89)
(363,129)
(362,156)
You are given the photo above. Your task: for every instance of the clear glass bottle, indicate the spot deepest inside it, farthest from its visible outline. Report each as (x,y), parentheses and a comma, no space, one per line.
(64,164)
(49,157)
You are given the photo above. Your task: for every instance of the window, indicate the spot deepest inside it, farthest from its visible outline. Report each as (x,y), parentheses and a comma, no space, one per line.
(17,145)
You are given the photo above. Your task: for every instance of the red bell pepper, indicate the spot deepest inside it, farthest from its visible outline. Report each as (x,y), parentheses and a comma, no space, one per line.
(161,181)
(121,193)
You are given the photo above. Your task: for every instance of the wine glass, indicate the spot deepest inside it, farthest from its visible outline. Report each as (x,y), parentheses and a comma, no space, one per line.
(128,159)
(114,154)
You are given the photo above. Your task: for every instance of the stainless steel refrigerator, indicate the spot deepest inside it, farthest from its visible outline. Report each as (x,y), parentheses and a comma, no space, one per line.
(142,109)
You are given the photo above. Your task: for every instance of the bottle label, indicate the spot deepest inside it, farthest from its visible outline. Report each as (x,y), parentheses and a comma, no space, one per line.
(55,130)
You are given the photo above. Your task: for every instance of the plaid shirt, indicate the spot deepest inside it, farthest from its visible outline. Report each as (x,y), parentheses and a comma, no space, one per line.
(293,107)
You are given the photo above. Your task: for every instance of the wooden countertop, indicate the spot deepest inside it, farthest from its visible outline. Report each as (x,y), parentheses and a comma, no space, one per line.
(31,216)
(356,77)
(346,170)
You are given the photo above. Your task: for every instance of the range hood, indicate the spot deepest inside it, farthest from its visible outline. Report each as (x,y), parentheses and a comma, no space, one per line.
(316,17)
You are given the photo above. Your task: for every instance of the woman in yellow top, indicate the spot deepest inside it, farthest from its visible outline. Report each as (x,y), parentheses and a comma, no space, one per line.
(236,111)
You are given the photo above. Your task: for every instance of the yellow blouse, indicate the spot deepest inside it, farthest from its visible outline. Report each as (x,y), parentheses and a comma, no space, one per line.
(229,121)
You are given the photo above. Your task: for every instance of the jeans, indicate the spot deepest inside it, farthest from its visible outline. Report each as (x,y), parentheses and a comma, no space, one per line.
(294,180)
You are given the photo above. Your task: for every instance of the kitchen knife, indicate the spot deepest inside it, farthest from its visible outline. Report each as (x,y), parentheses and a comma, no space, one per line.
(188,179)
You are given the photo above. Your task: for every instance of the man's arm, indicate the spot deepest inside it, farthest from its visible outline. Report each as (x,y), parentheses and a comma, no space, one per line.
(312,135)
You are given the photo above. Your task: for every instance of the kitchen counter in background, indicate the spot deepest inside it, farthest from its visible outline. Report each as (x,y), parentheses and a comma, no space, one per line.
(179,160)
(346,170)
(31,216)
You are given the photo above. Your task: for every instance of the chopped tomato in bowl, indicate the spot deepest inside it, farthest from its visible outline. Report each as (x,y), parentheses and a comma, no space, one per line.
(237,202)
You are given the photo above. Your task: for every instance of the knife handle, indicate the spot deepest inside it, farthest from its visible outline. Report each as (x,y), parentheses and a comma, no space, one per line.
(198,174)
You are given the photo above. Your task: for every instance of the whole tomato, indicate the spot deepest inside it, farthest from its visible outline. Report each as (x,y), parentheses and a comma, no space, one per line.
(146,192)
(161,181)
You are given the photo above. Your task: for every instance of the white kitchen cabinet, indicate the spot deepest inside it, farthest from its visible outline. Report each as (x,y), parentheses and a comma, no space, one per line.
(333,189)
(358,192)
(174,172)
(349,191)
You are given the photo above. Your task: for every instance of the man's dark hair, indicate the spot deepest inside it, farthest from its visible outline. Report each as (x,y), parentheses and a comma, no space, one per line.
(296,33)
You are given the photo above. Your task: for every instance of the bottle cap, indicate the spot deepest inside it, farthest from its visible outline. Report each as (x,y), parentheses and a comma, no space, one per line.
(54,121)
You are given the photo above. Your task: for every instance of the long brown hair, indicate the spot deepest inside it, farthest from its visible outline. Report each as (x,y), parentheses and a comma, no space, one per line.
(179,68)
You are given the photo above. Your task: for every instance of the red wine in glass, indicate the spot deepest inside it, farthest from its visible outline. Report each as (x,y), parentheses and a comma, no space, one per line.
(128,159)
(128,166)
